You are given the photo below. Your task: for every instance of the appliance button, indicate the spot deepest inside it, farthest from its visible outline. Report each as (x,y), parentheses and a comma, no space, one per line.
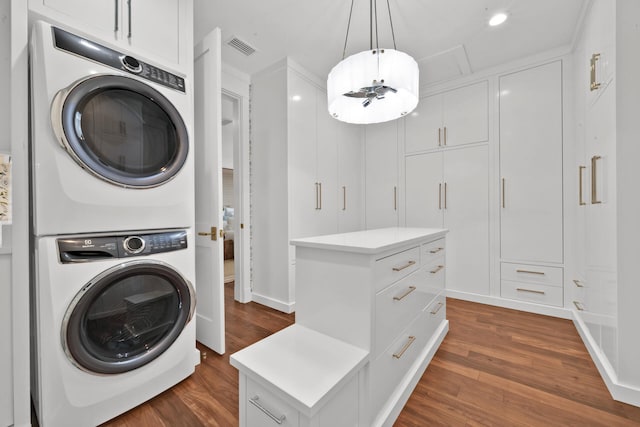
(134,244)
(131,64)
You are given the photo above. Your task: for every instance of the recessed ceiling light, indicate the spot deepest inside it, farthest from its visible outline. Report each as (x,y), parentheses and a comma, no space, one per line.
(296,98)
(497,19)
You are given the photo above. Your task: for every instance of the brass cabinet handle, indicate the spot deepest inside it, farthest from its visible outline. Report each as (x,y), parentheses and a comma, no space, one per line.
(255,402)
(445,194)
(594,84)
(594,190)
(115,26)
(404,348)
(578,305)
(405,293)
(436,250)
(581,201)
(213,233)
(395,198)
(318,196)
(503,196)
(437,309)
(439,139)
(407,265)
(531,291)
(438,268)
(440,196)
(344,198)
(541,273)
(578,283)
(445,135)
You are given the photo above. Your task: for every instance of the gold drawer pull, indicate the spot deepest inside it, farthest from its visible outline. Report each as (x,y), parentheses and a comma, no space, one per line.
(276,419)
(438,268)
(530,272)
(578,305)
(436,250)
(437,309)
(594,181)
(581,201)
(407,292)
(593,84)
(530,291)
(578,283)
(399,354)
(407,265)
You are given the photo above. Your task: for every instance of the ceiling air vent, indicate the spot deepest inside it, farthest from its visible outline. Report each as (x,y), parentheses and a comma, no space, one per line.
(241,46)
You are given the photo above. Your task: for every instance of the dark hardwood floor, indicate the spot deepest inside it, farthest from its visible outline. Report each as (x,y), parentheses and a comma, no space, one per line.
(496,367)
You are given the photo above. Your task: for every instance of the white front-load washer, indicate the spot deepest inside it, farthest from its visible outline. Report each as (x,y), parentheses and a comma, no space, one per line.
(110,138)
(112,323)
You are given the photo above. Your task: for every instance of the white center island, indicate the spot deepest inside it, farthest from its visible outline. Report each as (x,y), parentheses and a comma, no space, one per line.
(376,299)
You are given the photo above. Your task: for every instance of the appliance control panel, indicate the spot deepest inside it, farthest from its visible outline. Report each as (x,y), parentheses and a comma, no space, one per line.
(97,248)
(109,57)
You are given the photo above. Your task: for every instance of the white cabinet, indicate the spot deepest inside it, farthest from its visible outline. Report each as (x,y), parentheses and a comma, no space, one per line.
(381,166)
(597,60)
(531,165)
(456,117)
(307,176)
(383,291)
(450,189)
(159,29)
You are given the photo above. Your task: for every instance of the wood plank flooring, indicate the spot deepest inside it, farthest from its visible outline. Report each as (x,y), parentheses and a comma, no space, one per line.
(496,367)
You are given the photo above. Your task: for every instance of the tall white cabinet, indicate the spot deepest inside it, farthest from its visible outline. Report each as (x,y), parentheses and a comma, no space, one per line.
(307,176)
(531,184)
(450,189)
(381,166)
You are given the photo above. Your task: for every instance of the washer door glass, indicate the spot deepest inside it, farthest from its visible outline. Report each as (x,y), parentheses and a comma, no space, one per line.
(127,317)
(122,130)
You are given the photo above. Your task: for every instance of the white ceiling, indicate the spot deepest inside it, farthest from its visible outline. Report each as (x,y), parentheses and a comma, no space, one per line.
(448,38)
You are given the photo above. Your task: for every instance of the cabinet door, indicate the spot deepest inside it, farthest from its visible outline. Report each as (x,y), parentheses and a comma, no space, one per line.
(531,164)
(102,15)
(303,185)
(466,115)
(423,127)
(326,167)
(381,168)
(424,190)
(599,30)
(350,177)
(466,175)
(154,26)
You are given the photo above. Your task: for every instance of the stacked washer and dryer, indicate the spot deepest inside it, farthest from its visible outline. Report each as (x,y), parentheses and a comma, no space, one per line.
(113,212)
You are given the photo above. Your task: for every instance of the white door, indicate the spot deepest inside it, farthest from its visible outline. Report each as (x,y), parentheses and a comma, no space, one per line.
(424,190)
(466,115)
(381,170)
(350,177)
(208,176)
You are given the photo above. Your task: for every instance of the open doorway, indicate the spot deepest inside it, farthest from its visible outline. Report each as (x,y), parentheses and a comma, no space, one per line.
(235,183)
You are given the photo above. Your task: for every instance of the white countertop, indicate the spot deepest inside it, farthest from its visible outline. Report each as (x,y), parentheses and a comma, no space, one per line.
(371,241)
(304,364)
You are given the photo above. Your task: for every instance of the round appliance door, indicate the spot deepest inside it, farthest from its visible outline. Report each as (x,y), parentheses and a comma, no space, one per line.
(127,316)
(121,130)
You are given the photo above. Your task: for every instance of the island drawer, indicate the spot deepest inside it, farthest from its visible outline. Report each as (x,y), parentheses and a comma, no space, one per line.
(432,251)
(264,408)
(394,267)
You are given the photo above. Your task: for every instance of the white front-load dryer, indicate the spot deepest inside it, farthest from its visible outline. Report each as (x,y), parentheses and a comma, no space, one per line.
(110,138)
(113,326)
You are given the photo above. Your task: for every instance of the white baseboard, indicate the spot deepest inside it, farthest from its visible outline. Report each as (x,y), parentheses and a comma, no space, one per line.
(394,406)
(620,392)
(546,310)
(285,307)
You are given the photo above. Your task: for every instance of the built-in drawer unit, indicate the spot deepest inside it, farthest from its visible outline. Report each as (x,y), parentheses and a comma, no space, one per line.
(544,275)
(263,408)
(389,368)
(432,251)
(532,292)
(399,304)
(394,267)
(532,283)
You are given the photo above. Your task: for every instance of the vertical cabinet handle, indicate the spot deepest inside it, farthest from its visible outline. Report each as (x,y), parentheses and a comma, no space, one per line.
(581,201)
(439,196)
(255,402)
(445,135)
(594,85)
(344,198)
(503,197)
(316,185)
(115,21)
(439,138)
(129,10)
(594,190)
(445,195)
(395,198)
(320,195)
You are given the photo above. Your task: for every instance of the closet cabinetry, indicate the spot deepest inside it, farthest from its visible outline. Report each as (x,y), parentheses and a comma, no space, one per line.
(456,117)
(450,189)
(159,29)
(531,190)
(307,175)
(381,165)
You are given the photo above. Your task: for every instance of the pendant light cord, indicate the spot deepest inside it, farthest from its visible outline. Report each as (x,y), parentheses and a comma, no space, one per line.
(344,50)
(393,34)
(376,13)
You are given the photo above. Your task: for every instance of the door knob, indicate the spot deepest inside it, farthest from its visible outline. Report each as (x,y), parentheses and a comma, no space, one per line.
(213,233)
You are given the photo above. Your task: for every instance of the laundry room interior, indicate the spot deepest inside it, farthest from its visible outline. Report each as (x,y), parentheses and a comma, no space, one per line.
(331,213)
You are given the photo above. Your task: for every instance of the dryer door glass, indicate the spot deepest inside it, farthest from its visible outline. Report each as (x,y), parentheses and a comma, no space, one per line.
(127,317)
(122,130)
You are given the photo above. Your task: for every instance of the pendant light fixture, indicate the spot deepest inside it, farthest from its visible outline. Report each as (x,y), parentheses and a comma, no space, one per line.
(373,86)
